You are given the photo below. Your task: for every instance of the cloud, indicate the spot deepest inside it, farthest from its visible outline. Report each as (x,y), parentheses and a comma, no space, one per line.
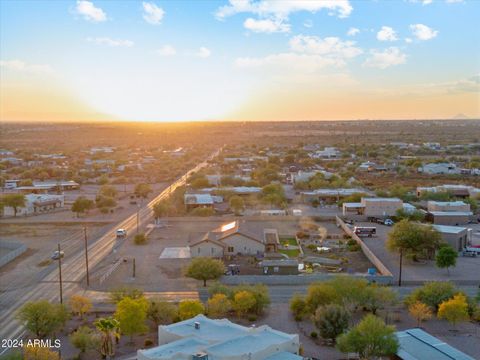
(282,9)
(110,42)
(89,11)
(386,58)
(152,13)
(454,1)
(408,40)
(307,54)
(22,66)
(266,25)
(427,2)
(353,31)
(386,33)
(308,23)
(423,32)
(166,50)
(203,52)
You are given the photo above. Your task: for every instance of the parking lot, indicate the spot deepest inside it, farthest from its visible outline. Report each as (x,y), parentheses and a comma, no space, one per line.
(466,269)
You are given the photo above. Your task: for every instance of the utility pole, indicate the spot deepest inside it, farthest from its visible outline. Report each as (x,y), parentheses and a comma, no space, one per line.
(60,272)
(133,267)
(86,253)
(400,274)
(138,216)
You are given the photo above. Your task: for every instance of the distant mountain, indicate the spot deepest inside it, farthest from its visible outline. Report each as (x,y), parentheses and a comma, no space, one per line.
(460,117)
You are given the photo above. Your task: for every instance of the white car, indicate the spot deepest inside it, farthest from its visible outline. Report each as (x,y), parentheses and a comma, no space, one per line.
(57,255)
(121,233)
(388,222)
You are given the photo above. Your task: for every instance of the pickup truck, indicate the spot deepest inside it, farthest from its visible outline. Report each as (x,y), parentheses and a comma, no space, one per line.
(121,233)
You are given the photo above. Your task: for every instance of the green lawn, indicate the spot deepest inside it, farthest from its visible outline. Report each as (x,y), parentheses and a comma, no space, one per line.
(292,253)
(289,241)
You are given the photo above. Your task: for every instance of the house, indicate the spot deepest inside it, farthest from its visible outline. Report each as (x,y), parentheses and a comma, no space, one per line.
(367,166)
(304,176)
(328,196)
(279,266)
(374,207)
(459,191)
(37,204)
(416,344)
(201,338)
(227,240)
(439,168)
(456,236)
(193,201)
(432,145)
(326,153)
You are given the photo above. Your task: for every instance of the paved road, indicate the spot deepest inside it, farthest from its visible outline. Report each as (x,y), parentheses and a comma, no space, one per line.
(73,268)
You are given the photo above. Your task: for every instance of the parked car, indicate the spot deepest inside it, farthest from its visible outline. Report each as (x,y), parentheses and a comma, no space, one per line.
(388,222)
(57,255)
(469,253)
(121,233)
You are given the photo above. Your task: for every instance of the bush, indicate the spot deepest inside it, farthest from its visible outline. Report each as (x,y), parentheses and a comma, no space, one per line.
(313,335)
(202,212)
(148,342)
(432,294)
(188,309)
(298,307)
(140,239)
(331,321)
(118,294)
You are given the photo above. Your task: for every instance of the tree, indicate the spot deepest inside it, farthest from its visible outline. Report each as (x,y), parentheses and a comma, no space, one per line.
(298,307)
(14,201)
(236,204)
(161,312)
(259,292)
(142,190)
(371,338)
(412,239)
(118,294)
(84,339)
(350,290)
(420,312)
(82,205)
(200,183)
(109,328)
(188,309)
(132,314)
(331,321)
(218,306)
(432,294)
(415,215)
(203,268)
(108,191)
(378,297)
(243,302)
(446,257)
(320,294)
(273,194)
(80,305)
(43,318)
(161,209)
(454,310)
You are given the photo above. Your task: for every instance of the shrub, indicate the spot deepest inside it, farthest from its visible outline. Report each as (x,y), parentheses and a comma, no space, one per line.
(298,307)
(313,335)
(140,239)
(432,294)
(188,309)
(331,320)
(202,212)
(148,342)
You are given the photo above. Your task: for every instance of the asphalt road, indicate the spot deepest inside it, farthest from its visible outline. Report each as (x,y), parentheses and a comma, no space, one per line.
(73,267)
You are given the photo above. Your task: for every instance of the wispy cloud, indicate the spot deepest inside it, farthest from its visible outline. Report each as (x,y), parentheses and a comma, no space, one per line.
(386,33)
(203,52)
(22,66)
(386,58)
(89,11)
(110,42)
(152,13)
(353,31)
(167,50)
(423,32)
(266,25)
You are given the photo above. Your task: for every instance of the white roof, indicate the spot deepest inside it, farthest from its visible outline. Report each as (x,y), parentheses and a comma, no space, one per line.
(449,229)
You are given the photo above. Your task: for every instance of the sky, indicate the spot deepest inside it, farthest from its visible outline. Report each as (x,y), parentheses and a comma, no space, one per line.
(79,60)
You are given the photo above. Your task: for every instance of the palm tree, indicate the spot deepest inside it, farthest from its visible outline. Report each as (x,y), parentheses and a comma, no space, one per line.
(109,327)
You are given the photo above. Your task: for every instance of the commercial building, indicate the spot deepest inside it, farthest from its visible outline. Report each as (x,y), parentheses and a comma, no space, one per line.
(36,204)
(456,236)
(416,344)
(374,207)
(228,239)
(201,338)
(448,212)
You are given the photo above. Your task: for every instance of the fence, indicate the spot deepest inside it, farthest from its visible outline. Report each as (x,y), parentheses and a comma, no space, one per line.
(366,250)
(16,250)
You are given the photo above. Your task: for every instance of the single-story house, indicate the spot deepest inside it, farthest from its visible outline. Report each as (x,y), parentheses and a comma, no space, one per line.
(193,201)
(328,196)
(226,240)
(448,206)
(201,338)
(374,207)
(416,344)
(459,191)
(37,204)
(439,168)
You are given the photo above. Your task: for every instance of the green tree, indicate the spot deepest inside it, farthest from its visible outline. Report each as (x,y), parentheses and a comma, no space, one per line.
(454,310)
(43,318)
(273,194)
(103,180)
(188,309)
(298,307)
(378,297)
(260,293)
(320,294)
(203,268)
(14,201)
(82,205)
(371,338)
(140,239)
(200,183)
(161,209)
(161,312)
(432,294)
(415,215)
(132,314)
(142,190)
(243,302)
(331,321)
(236,204)
(218,306)
(84,339)
(446,257)
(108,191)
(109,328)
